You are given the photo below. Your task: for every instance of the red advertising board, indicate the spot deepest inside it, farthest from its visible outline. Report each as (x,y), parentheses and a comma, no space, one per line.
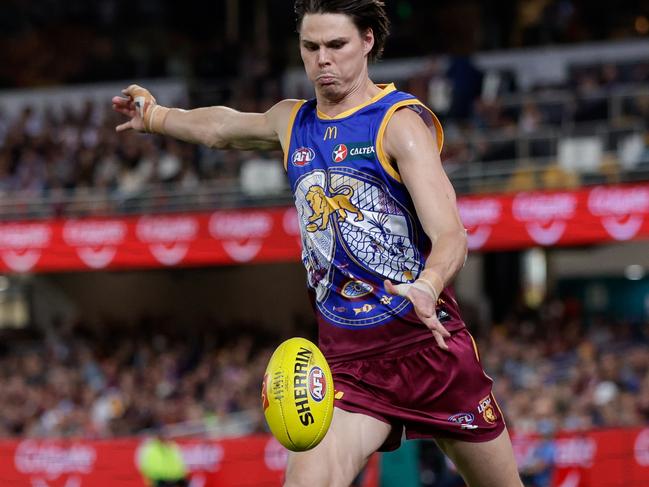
(254,461)
(561,218)
(607,458)
(585,216)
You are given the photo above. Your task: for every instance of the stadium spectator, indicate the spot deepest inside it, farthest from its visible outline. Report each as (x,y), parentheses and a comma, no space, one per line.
(538,468)
(63,155)
(161,463)
(84,389)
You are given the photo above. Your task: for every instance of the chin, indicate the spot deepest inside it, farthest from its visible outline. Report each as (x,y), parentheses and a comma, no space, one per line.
(330,91)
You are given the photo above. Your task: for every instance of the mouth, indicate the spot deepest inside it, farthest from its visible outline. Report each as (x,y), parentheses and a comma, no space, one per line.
(326,79)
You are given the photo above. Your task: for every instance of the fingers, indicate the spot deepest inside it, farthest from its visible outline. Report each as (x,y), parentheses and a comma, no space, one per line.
(436,327)
(397,289)
(390,288)
(424,305)
(123,110)
(438,330)
(132,90)
(124,126)
(125,107)
(440,340)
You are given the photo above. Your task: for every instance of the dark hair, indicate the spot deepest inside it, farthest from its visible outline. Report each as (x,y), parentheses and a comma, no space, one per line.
(366,14)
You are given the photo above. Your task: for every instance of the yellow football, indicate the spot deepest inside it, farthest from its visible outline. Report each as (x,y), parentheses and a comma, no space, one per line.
(298,394)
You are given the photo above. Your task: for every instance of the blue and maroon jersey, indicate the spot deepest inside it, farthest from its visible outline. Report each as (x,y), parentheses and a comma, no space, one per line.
(358,227)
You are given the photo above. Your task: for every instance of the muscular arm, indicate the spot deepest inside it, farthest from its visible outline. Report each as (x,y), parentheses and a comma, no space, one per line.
(218,127)
(224,128)
(411,144)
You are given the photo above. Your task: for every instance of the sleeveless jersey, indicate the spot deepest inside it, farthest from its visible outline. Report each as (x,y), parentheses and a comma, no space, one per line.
(358,227)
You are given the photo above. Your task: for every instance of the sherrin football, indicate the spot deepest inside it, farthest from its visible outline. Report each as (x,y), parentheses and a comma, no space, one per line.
(298,394)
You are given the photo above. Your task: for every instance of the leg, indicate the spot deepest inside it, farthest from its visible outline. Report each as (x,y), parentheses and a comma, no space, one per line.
(336,461)
(488,464)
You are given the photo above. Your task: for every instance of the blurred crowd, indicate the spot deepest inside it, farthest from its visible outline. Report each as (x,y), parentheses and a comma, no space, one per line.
(554,373)
(60,154)
(551,373)
(44,152)
(129,382)
(78,154)
(490,122)
(114,40)
(71,154)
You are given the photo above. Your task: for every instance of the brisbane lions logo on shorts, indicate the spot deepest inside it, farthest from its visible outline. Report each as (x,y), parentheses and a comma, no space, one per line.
(488,412)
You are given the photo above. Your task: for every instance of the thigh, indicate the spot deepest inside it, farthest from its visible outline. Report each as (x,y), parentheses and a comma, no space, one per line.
(487,464)
(341,455)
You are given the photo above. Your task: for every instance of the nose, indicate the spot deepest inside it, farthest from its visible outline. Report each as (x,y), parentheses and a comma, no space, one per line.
(323,56)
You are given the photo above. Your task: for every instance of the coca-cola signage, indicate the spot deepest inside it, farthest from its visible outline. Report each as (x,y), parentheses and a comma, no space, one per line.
(21,244)
(241,233)
(275,455)
(596,458)
(47,460)
(291,224)
(545,215)
(479,217)
(203,457)
(168,237)
(587,216)
(621,210)
(95,241)
(641,448)
(575,452)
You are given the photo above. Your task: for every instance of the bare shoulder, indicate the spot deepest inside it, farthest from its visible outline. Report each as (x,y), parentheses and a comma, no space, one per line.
(406,131)
(279,114)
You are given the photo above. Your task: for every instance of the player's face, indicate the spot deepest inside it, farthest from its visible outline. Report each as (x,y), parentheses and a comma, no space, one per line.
(334,53)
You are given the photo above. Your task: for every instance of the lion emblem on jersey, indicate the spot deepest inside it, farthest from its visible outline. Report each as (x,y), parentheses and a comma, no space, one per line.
(324,206)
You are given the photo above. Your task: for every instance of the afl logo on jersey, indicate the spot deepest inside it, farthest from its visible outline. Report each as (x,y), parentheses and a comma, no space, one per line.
(302,156)
(340,153)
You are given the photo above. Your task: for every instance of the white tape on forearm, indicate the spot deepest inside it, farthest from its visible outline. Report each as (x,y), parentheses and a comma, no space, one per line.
(156,119)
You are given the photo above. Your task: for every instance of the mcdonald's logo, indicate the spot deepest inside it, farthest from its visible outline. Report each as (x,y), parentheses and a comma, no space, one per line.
(331,133)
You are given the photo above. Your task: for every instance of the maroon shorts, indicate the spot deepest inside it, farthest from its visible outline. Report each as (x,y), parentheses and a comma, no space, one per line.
(429,392)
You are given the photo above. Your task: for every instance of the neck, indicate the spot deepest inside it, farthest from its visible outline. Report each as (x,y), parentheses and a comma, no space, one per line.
(360,92)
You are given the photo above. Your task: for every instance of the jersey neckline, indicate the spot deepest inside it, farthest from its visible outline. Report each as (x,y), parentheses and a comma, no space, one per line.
(386,89)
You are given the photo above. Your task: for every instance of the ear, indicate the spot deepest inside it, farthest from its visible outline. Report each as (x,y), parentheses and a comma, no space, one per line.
(367,38)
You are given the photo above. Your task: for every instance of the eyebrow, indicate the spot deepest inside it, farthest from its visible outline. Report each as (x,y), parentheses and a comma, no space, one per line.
(337,40)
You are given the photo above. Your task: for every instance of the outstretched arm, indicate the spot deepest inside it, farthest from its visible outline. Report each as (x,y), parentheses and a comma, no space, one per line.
(217,127)
(411,144)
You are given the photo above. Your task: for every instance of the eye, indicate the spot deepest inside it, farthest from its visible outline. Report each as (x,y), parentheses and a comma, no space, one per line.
(310,47)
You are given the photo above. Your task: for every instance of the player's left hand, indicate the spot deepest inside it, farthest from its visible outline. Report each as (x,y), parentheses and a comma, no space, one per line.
(424,300)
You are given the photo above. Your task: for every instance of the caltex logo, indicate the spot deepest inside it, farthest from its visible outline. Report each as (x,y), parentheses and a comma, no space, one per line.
(340,153)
